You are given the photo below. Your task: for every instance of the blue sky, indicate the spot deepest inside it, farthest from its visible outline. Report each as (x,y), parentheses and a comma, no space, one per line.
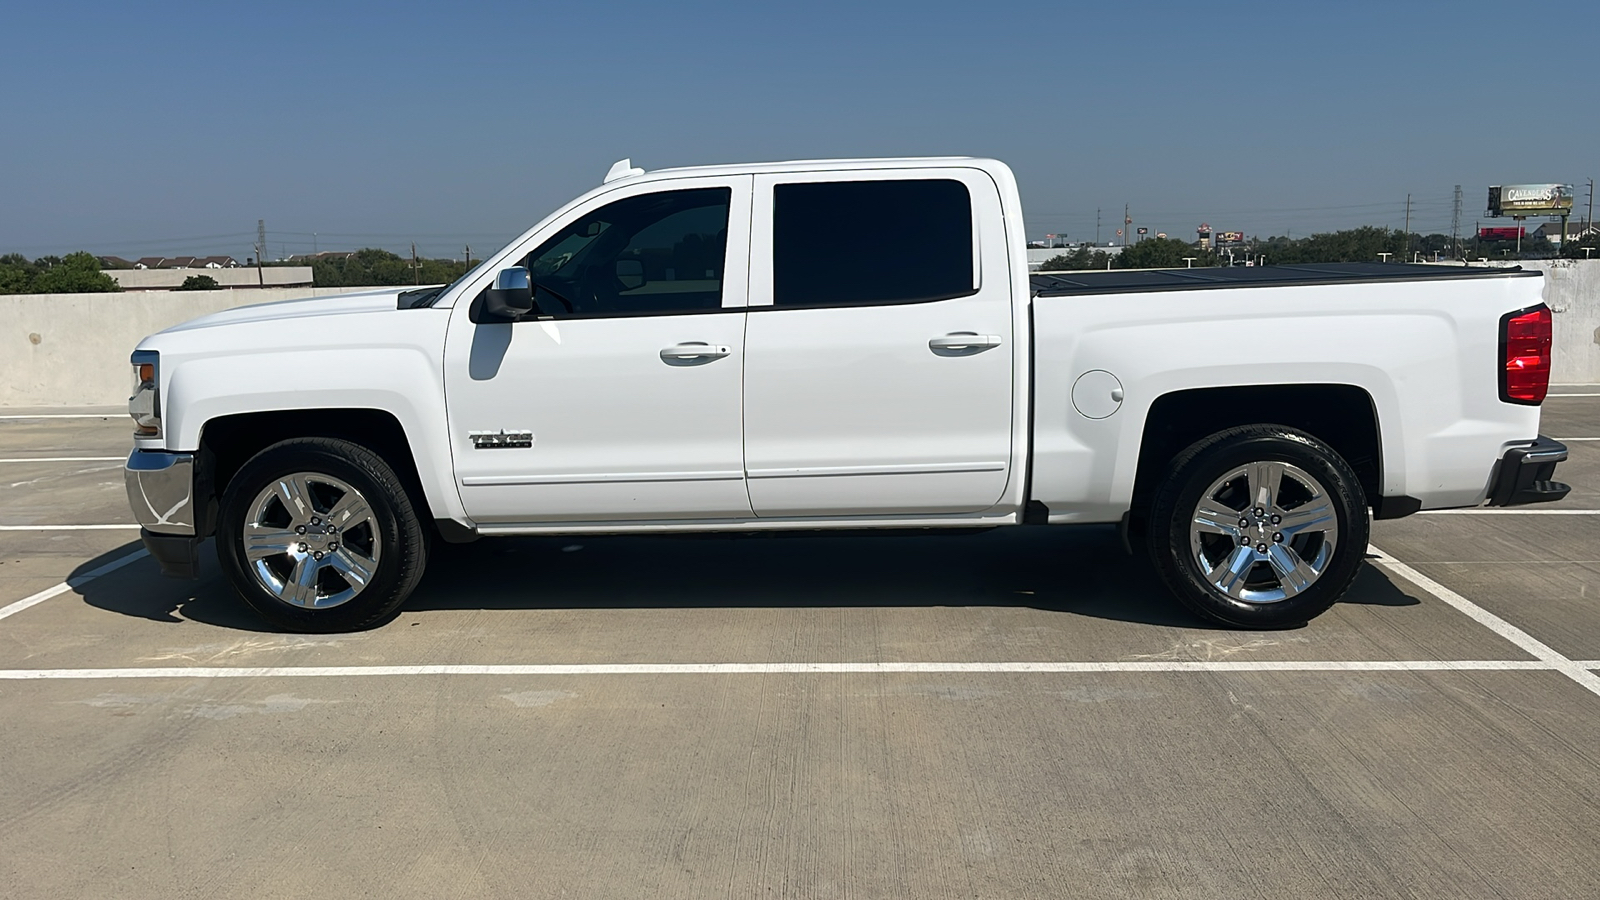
(171,128)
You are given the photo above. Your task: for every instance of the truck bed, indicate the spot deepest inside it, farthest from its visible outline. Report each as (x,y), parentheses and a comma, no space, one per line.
(1121,281)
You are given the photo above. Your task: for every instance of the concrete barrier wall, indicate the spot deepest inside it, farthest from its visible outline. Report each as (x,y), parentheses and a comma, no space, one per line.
(1572,288)
(72,349)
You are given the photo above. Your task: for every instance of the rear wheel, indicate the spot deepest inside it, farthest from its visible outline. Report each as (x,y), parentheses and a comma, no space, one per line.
(318,535)
(1261,526)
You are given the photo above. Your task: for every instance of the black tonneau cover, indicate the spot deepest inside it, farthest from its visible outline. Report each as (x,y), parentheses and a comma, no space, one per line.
(1115,281)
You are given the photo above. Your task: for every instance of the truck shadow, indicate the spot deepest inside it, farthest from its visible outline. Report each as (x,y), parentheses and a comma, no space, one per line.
(1079,571)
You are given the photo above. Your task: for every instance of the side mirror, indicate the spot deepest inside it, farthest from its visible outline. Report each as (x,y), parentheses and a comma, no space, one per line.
(511,298)
(630,273)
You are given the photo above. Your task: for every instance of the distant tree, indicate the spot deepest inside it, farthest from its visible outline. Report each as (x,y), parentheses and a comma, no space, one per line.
(1161,253)
(371,266)
(77,273)
(1362,244)
(1574,249)
(16,274)
(1079,259)
(199,283)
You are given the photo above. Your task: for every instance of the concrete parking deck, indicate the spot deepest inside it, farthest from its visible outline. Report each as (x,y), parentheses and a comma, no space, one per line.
(1019,713)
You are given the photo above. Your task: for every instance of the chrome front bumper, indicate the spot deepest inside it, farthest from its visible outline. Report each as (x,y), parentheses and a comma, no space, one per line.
(161,491)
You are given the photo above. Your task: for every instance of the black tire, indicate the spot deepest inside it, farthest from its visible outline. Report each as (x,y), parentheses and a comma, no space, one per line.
(1179,546)
(398,546)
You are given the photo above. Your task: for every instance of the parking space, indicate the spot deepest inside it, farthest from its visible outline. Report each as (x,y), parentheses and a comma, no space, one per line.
(1021,712)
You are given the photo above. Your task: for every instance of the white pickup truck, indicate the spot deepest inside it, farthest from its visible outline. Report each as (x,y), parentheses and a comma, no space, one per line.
(840,344)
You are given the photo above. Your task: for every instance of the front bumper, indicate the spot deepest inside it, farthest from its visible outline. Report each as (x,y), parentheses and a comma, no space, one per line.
(1524,474)
(161,490)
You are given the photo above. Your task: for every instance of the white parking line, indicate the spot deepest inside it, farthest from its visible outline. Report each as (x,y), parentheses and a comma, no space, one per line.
(847,668)
(70,584)
(1531,645)
(1570,440)
(1510,512)
(69,528)
(48,459)
(66,416)
(1548,396)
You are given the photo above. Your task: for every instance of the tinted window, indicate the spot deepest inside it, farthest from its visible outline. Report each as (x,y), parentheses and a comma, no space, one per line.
(856,242)
(654,253)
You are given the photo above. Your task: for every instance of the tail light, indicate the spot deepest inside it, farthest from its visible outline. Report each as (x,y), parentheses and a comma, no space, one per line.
(1525,355)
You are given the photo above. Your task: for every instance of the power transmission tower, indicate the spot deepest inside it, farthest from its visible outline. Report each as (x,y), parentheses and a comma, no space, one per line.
(261,251)
(1455,223)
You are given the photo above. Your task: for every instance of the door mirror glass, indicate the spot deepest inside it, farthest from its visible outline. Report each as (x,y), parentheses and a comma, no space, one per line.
(511,298)
(630,273)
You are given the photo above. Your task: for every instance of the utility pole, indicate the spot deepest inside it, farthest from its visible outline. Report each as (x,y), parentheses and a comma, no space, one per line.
(1591,203)
(468,249)
(1097,215)
(1455,223)
(313,243)
(1127,225)
(261,251)
(416,273)
(1407,256)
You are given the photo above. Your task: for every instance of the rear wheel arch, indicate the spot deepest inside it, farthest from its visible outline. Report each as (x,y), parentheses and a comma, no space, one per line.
(1343,416)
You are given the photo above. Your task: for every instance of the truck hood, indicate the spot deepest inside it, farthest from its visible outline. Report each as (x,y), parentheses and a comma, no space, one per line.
(337,304)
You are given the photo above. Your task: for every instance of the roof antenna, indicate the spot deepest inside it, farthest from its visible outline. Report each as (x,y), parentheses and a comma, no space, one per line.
(622,168)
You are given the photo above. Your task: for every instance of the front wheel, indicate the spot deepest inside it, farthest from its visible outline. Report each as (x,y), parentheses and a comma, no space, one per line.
(1261,526)
(319,535)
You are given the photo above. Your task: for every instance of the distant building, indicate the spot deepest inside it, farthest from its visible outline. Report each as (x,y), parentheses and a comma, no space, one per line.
(1038,256)
(1576,231)
(161,278)
(173,262)
(114,262)
(307,258)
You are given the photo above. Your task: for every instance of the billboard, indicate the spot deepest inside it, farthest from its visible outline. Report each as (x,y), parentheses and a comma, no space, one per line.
(1502,234)
(1231,237)
(1530,200)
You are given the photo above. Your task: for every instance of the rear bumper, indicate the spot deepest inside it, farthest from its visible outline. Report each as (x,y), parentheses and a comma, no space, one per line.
(1524,474)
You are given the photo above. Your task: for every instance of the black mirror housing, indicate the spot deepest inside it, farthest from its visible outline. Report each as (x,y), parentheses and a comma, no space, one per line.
(511,297)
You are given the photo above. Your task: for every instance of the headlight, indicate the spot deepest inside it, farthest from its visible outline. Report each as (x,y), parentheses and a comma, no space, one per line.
(145,404)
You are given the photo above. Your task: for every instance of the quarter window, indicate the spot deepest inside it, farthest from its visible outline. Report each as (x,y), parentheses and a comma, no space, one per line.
(865,242)
(645,255)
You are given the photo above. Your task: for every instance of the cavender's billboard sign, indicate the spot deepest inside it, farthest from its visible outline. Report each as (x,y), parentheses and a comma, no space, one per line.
(1530,200)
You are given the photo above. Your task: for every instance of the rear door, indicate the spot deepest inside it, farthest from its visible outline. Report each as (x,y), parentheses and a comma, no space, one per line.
(879,345)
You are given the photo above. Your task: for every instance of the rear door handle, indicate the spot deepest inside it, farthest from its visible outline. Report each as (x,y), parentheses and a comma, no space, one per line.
(696,350)
(964,340)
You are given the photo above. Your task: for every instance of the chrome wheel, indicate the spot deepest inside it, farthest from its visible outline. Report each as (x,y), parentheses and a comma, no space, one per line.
(311,540)
(1263,532)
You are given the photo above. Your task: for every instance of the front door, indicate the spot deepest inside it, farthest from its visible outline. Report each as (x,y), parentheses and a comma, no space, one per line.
(620,398)
(878,378)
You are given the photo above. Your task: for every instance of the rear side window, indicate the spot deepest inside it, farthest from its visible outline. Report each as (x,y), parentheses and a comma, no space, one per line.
(851,243)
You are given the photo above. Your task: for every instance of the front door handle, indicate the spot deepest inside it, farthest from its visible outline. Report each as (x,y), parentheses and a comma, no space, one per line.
(696,350)
(964,340)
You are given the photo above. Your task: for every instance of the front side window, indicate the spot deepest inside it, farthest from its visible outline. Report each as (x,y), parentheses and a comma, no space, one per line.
(849,243)
(646,255)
